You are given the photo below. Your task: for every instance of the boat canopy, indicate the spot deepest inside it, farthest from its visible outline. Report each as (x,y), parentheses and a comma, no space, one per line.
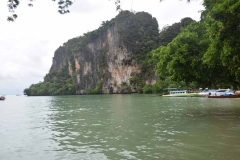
(170,89)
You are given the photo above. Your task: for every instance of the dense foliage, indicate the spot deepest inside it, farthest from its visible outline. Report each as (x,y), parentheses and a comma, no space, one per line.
(223,21)
(148,61)
(138,31)
(168,33)
(206,53)
(181,59)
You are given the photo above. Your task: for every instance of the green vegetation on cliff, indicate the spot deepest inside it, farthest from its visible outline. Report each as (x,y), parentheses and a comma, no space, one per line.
(96,90)
(57,82)
(148,60)
(139,31)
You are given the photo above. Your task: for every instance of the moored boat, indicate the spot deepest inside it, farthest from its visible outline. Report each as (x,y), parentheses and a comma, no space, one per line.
(206,92)
(223,93)
(181,93)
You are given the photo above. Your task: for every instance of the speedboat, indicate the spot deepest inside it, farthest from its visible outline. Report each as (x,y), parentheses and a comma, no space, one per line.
(206,92)
(223,93)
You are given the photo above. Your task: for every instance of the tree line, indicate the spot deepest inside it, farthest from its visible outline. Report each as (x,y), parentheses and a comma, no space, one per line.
(205,53)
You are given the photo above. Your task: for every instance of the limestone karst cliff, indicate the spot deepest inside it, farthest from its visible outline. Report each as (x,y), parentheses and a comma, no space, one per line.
(108,55)
(111,59)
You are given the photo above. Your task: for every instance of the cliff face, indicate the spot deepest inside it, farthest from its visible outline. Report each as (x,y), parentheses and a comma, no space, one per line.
(107,55)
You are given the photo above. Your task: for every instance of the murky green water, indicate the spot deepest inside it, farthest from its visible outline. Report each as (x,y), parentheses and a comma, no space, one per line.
(119,127)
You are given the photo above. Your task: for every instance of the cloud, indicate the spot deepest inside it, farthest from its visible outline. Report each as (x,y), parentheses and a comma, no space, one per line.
(93,6)
(23,61)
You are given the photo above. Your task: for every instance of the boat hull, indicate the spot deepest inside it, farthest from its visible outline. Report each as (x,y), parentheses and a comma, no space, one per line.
(183,95)
(229,96)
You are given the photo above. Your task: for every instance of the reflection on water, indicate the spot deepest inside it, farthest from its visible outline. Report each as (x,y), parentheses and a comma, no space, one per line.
(119,127)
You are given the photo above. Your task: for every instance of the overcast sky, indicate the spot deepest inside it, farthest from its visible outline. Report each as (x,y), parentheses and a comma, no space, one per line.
(28,44)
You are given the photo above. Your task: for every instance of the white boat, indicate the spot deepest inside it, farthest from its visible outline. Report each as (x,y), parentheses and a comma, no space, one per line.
(222,92)
(216,92)
(206,92)
(181,93)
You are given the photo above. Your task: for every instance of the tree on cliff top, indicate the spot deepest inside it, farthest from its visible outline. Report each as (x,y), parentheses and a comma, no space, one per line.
(168,33)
